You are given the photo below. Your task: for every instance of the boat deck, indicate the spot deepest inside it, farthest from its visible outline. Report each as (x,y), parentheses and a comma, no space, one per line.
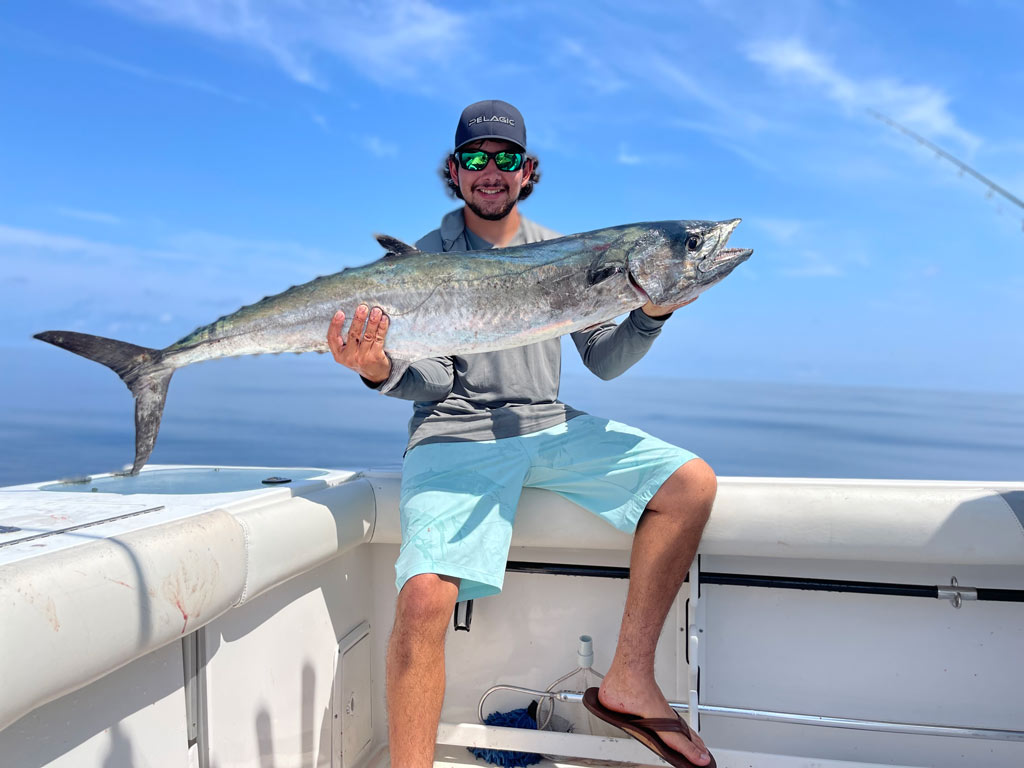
(195,616)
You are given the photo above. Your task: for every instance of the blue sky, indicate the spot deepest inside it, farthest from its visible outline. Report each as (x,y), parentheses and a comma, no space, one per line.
(163,163)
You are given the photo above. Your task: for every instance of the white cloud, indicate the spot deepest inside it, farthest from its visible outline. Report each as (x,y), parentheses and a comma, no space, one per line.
(755,159)
(668,76)
(51,280)
(656,157)
(783,231)
(149,74)
(388,41)
(626,158)
(596,71)
(205,250)
(40,44)
(289,260)
(629,60)
(921,106)
(16,237)
(378,147)
(97,217)
(717,134)
(814,264)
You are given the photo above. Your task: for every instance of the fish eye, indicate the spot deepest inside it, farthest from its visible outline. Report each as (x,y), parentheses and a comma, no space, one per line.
(694,242)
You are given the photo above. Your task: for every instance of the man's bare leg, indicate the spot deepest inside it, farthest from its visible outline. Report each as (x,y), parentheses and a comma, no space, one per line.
(663,547)
(415,668)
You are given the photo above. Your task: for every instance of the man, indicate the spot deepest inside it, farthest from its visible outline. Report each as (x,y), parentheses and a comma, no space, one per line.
(486,425)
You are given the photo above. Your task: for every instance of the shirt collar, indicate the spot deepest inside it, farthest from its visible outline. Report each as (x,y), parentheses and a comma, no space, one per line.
(452,227)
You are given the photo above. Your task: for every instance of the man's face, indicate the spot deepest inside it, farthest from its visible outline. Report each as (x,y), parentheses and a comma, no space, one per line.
(491,193)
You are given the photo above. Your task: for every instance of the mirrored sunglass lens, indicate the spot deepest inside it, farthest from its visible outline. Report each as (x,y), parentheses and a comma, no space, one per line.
(473,161)
(508,161)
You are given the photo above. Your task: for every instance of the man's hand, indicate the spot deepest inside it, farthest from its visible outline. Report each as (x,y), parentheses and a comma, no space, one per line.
(362,351)
(660,310)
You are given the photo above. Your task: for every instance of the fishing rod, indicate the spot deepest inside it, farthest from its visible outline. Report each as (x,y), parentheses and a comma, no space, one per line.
(964,167)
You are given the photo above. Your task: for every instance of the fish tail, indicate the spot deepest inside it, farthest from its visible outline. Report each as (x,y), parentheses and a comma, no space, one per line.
(139,368)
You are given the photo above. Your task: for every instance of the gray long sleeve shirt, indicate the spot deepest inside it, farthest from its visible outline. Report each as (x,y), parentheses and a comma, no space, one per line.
(510,392)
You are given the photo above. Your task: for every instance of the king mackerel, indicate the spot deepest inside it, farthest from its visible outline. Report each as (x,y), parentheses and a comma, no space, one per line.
(441,303)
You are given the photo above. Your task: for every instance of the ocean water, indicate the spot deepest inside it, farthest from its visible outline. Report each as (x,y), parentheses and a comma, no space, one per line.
(62,416)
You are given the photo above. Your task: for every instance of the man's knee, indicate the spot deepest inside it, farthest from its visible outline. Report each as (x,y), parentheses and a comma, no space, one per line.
(691,488)
(426,600)
(700,480)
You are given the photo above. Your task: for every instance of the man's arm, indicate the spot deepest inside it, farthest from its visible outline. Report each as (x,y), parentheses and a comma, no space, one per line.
(610,350)
(428,380)
(363,352)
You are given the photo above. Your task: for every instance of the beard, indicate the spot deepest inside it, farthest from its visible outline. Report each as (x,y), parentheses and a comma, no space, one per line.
(496,211)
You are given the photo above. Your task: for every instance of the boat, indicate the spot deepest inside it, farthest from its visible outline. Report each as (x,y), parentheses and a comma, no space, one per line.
(214,617)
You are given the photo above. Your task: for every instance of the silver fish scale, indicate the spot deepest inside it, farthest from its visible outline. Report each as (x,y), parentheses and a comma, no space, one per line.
(437,304)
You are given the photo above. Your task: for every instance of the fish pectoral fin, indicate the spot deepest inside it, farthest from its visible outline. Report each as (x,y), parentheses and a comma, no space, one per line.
(604,267)
(394,246)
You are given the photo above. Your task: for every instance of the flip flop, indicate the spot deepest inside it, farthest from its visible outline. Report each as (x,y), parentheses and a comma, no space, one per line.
(645,730)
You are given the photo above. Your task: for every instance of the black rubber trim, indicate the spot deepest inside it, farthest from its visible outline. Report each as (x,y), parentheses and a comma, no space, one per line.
(566,569)
(770,582)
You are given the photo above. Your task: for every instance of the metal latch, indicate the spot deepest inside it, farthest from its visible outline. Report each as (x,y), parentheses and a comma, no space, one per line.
(463,616)
(956,594)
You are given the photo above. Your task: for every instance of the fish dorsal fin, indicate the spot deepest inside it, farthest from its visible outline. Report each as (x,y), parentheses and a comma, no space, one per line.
(394,246)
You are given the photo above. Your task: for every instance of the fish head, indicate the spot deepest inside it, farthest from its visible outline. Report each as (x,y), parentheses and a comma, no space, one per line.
(671,262)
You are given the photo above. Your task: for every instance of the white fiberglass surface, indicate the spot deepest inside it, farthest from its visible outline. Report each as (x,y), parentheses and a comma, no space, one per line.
(36,520)
(187,480)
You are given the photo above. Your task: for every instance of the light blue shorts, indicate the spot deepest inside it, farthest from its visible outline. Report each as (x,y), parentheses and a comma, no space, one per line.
(459,500)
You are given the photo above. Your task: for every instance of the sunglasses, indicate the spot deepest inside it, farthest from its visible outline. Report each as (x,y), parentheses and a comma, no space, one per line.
(477,160)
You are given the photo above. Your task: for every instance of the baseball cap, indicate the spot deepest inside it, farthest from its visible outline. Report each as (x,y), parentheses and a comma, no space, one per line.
(491,119)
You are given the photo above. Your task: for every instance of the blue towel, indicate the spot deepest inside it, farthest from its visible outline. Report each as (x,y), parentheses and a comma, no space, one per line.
(517,718)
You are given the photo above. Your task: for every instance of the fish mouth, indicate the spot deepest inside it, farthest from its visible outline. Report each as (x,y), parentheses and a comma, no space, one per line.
(723,262)
(733,256)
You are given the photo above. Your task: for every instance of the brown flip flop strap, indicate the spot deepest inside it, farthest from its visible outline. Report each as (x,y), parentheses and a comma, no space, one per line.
(662,724)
